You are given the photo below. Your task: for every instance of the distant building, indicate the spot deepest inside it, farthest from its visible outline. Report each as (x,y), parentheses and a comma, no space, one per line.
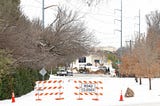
(96,59)
(108,48)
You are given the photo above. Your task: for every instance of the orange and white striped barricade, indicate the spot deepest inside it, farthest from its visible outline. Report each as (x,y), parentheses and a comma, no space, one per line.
(45,88)
(60,90)
(38,89)
(98,90)
(78,89)
(88,89)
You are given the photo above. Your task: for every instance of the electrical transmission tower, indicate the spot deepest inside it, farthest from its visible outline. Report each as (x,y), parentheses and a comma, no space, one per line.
(139,23)
(120,30)
(139,31)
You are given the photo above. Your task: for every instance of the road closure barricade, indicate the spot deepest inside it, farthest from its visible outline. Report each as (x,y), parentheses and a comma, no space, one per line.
(77,88)
(88,89)
(53,88)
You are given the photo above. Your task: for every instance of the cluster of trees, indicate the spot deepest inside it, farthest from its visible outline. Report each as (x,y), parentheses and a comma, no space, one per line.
(143,59)
(26,46)
(59,43)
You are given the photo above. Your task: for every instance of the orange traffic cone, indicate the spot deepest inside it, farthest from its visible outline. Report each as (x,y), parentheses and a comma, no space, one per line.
(121,96)
(13,97)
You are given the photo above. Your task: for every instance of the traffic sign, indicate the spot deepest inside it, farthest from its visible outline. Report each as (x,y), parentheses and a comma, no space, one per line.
(43,71)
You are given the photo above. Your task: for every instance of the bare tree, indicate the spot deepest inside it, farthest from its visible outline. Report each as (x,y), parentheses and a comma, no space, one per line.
(94,2)
(67,36)
(63,41)
(153,38)
(9,12)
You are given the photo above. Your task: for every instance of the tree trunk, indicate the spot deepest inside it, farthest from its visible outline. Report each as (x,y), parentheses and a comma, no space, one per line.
(150,86)
(140,81)
(136,79)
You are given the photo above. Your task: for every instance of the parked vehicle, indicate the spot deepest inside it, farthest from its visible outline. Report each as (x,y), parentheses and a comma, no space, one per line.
(64,72)
(69,73)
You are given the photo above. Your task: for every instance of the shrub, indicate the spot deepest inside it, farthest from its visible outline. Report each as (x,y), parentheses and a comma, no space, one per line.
(21,81)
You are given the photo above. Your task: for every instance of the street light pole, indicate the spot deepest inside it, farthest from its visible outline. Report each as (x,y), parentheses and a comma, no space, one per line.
(43,14)
(43,9)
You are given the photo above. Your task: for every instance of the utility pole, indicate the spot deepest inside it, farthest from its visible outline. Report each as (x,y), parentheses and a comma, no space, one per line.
(43,8)
(121,29)
(121,32)
(139,23)
(43,20)
(130,45)
(43,14)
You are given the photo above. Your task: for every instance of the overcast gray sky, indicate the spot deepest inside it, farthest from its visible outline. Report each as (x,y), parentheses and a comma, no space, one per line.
(100,18)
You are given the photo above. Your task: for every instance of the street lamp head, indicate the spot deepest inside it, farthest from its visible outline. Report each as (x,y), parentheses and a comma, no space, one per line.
(50,6)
